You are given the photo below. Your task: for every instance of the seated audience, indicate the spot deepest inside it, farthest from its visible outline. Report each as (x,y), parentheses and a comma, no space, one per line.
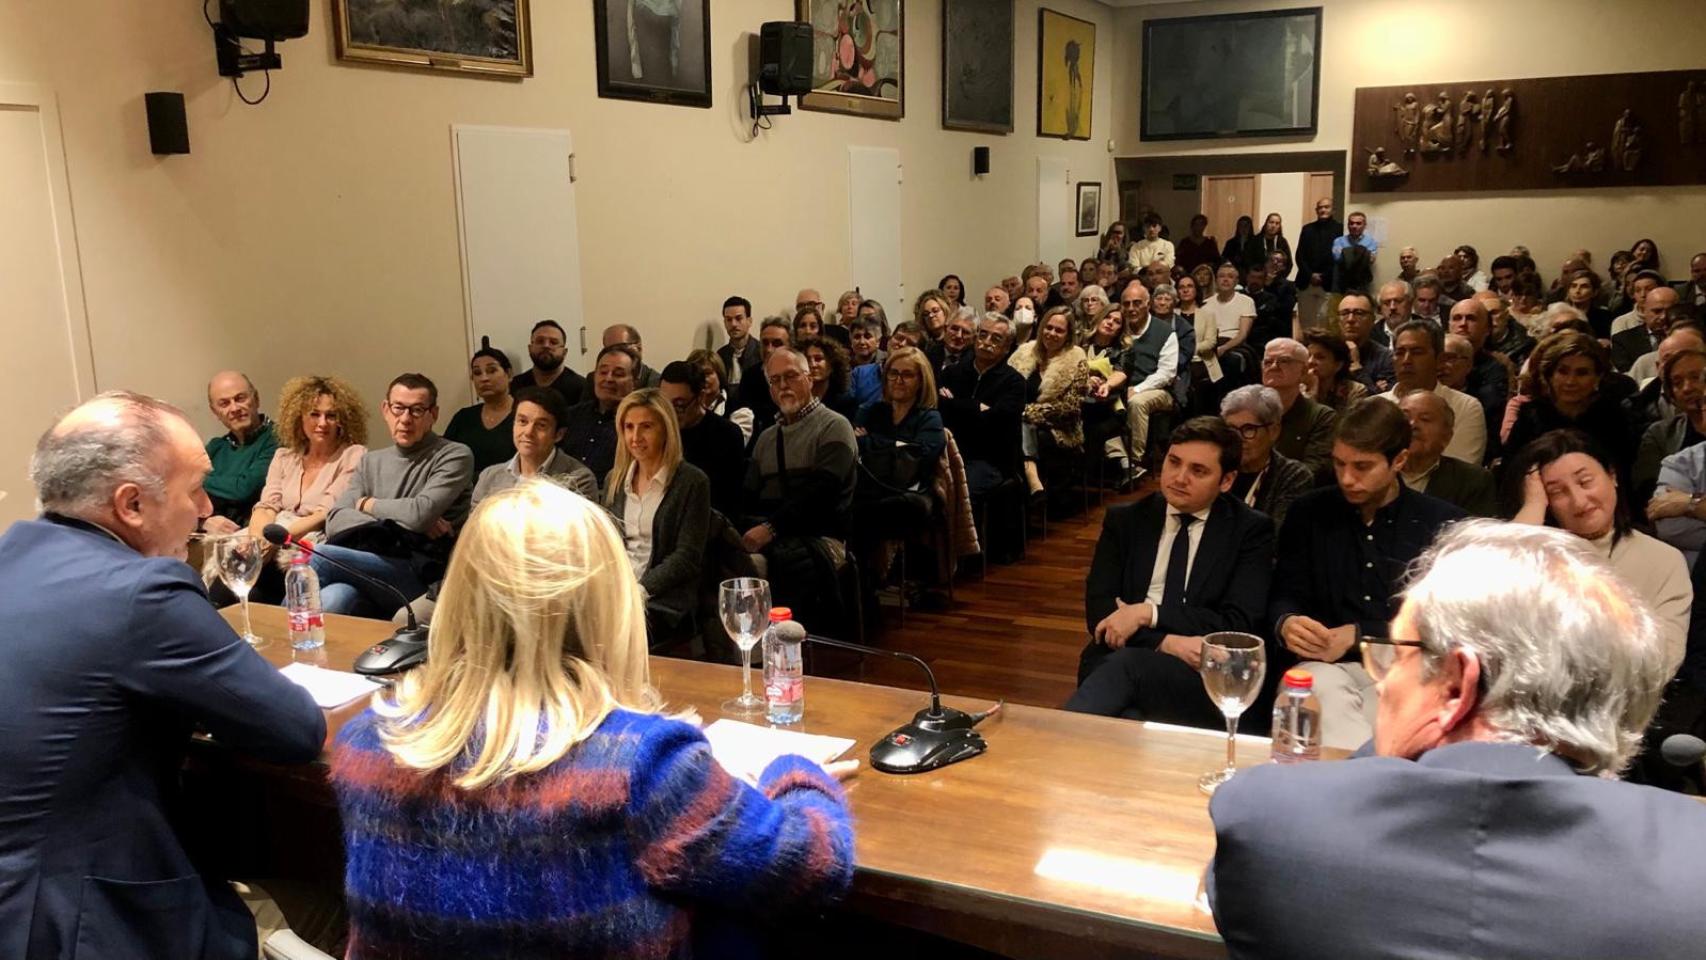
(113,658)
(1516,686)
(1056,384)
(1196,249)
(662,506)
(1224,322)
(1261,246)
(1636,285)
(742,351)
(1152,248)
(1273,315)
(547,347)
(1151,366)
(1278,282)
(1146,631)
(1452,288)
(1397,305)
(1583,292)
(1455,362)
(955,345)
(1429,302)
(1658,309)
(1508,339)
(1268,481)
(930,312)
(590,435)
(623,335)
(1684,389)
(1473,276)
(538,427)
(708,440)
(1242,233)
(997,299)
(867,356)
(982,403)
(754,394)
(1409,265)
(954,295)
(1327,378)
(1674,508)
(487,428)
(799,493)
(536,685)
(828,361)
(1568,481)
(241,455)
(1693,290)
(1428,470)
(900,444)
(1346,549)
(872,310)
(1104,401)
(846,309)
(1488,376)
(1416,351)
(1370,357)
(397,519)
(808,323)
(1306,427)
(1683,333)
(1569,370)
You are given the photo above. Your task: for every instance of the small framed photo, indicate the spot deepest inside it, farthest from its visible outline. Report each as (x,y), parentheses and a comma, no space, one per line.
(491,38)
(646,52)
(1089,209)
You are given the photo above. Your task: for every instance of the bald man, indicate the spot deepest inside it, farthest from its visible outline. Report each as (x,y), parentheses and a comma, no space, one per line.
(1490,377)
(242,455)
(1428,470)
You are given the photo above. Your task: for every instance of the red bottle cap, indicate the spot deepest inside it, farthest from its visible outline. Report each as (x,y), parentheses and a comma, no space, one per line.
(1298,678)
(779,614)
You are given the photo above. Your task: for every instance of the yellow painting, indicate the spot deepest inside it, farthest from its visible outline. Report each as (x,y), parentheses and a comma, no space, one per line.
(1066,75)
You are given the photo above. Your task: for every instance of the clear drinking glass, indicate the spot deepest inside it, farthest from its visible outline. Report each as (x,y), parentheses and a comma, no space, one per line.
(1233,666)
(240,557)
(744,603)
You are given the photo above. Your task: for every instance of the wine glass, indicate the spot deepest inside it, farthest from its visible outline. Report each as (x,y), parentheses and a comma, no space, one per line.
(1233,665)
(745,606)
(240,557)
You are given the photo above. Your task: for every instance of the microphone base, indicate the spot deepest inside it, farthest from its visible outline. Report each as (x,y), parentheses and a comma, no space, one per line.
(404,649)
(943,720)
(928,743)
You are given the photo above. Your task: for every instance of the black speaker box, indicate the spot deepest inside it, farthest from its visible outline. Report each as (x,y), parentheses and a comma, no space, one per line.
(168,130)
(785,58)
(265,19)
(979,160)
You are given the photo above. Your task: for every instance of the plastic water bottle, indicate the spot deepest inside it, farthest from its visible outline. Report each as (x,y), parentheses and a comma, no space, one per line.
(1297,719)
(784,669)
(302,604)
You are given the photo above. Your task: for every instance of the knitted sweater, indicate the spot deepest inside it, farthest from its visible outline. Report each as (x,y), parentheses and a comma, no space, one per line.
(636,844)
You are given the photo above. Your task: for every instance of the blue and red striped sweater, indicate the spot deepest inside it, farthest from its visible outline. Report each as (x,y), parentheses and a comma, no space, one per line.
(636,844)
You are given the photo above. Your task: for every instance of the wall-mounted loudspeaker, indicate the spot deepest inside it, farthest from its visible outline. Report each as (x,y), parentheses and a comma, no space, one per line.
(168,131)
(979,161)
(265,19)
(785,58)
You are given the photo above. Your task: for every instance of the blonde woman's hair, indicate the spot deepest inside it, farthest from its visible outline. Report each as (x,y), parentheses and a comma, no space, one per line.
(926,378)
(299,396)
(651,398)
(539,633)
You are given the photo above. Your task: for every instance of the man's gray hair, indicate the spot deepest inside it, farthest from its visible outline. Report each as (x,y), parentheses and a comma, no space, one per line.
(1559,310)
(799,361)
(76,469)
(1096,287)
(1572,659)
(1449,414)
(1429,281)
(996,316)
(1261,402)
(1165,289)
(1286,344)
(1403,286)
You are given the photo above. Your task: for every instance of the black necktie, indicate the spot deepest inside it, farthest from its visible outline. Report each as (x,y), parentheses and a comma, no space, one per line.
(1178,562)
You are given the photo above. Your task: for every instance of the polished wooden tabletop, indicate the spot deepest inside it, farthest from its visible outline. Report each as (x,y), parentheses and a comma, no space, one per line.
(1074,835)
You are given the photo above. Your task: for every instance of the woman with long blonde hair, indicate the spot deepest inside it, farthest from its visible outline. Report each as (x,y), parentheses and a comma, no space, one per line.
(662,505)
(521,793)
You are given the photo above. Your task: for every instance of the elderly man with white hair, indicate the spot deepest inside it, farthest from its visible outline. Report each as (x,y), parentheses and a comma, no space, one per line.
(1518,677)
(1306,427)
(1428,470)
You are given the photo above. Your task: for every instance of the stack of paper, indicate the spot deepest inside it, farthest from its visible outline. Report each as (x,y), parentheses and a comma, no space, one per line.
(329,688)
(745,749)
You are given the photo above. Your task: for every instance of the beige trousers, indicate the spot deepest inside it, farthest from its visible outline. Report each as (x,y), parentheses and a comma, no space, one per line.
(1139,408)
(1348,703)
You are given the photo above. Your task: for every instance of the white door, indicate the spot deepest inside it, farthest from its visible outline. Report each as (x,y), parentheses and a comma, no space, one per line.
(873,226)
(47,366)
(515,202)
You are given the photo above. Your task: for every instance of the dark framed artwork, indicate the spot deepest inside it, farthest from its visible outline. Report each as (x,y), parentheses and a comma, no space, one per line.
(1089,220)
(1066,76)
(1232,75)
(858,56)
(480,37)
(977,65)
(657,52)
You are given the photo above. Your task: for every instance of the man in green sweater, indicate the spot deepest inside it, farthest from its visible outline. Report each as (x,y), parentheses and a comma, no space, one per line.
(241,456)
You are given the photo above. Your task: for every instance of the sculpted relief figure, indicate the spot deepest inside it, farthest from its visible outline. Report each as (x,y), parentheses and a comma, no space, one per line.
(1409,120)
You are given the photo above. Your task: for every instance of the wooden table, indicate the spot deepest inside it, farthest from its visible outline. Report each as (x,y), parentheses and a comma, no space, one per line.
(1073,836)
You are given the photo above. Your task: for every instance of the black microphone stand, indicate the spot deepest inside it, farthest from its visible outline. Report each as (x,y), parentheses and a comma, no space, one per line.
(400,651)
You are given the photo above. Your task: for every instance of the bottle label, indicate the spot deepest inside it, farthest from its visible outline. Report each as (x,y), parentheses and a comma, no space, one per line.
(784,689)
(302,621)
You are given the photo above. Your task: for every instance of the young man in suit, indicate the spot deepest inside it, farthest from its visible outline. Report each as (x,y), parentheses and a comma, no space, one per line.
(742,352)
(1186,561)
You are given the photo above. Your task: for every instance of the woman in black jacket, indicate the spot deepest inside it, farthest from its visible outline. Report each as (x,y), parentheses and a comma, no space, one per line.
(662,505)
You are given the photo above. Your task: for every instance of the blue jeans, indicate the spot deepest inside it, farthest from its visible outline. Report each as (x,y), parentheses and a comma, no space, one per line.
(342,592)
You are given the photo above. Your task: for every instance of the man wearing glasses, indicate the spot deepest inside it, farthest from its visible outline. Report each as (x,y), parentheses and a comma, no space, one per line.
(981,403)
(398,517)
(1268,481)
(1344,550)
(547,347)
(1371,360)
(709,441)
(1306,427)
(1514,685)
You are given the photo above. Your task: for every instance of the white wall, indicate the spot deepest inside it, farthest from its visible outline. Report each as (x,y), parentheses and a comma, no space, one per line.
(1281,193)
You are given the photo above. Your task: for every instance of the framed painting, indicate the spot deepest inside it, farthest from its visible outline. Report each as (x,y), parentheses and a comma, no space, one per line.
(480,37)
(858,56)
(977,65)
(1233,75)
(655,50)
(1089,209)
(1066,75)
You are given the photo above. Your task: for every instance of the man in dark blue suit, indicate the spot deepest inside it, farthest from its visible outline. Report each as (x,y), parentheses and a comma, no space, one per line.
(112,655)
(1516,682)
(1186,561)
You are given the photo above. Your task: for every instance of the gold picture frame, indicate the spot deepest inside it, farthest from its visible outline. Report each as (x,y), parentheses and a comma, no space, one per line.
(418,34)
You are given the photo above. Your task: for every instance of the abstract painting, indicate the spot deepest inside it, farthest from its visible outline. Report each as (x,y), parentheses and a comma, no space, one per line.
(977,65)
(1235,75)
(490,37)
(656,50)
(858,56)
(1066,75)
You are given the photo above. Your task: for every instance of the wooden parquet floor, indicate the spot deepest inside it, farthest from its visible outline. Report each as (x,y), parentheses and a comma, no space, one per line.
(1015,635)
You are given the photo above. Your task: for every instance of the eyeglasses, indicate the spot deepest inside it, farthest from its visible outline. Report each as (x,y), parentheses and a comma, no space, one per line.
(1380,654)
(903,374)
(404,411)
(1251,431)
(790,376)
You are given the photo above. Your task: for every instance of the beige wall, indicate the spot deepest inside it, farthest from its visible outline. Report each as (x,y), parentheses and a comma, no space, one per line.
(318,230)
(1381,42)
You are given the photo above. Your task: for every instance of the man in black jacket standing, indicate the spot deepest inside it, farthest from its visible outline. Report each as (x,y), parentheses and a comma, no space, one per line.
(1315,261)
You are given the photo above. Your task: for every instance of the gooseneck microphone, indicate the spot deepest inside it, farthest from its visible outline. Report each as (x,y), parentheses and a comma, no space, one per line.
(936,735)
(404,649)
(1683,750)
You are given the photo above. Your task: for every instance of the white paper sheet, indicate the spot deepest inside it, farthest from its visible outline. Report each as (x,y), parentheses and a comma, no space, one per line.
(745,749)
(329,688)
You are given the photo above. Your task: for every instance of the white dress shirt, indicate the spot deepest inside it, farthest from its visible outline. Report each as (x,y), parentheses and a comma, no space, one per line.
(638,512)
(1164,551)
(1469,433)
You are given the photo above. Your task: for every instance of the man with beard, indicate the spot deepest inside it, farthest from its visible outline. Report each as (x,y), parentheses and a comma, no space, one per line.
(547,348)
(590,430)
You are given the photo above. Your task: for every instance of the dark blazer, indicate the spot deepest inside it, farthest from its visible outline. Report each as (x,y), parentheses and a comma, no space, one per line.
(1465,485)
(678,538)
(992,435)
(111,660)
(1228,585)
(1472,850)
(1315,251)
(1630,346)
(1286,480)
(1306,435)
(749,357)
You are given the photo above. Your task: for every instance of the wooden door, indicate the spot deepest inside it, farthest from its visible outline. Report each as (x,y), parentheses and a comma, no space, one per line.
(1225,199)
(1319,185)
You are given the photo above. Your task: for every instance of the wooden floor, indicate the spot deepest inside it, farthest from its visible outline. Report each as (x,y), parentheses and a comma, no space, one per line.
(1014,636)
